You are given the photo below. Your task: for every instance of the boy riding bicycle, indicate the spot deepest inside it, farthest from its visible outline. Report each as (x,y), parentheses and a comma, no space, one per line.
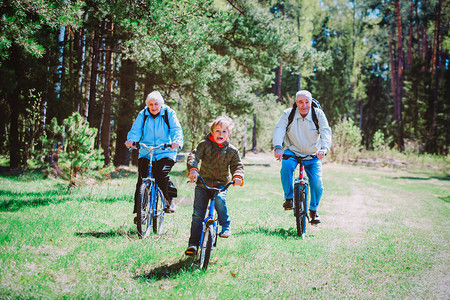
(218,157)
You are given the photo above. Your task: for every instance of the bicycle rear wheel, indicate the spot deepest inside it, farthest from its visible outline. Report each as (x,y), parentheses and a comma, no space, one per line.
(144,205)
(300,209)
(206,247)
(158,215)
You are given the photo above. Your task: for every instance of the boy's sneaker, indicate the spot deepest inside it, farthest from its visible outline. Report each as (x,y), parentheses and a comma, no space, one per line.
(288,204)
(315,218)
(226,233)
(191,250)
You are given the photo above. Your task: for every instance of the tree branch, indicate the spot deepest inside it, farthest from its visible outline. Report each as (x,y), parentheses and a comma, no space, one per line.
(236,8)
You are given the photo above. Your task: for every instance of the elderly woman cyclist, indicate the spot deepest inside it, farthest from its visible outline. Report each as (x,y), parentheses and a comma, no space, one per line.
(157,124)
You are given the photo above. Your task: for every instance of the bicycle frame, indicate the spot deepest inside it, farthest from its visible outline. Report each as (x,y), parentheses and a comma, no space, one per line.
(208,222)
(301,183)
(301,196)
(151,214)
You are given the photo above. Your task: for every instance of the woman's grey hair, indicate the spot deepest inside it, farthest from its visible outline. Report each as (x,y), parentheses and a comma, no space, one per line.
(155,95)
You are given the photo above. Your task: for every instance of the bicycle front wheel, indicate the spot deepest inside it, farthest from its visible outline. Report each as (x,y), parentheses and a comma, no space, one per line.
(300,209)
(206,247)
(158,212)
(144,205)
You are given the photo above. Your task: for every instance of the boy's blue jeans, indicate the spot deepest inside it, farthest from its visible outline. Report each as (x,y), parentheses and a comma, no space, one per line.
(313,168)
(201,201)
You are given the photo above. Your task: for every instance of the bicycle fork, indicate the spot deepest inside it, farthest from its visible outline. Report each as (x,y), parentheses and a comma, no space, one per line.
(300,186)
(209,220)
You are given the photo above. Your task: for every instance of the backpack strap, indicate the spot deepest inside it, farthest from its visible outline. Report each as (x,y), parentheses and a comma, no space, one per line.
(166,120)
(314,117)
(313,112)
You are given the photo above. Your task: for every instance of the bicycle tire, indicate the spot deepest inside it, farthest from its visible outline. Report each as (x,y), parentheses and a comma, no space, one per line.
(300,209)
(144,220)
(158,217)
(141,205)
(206,247)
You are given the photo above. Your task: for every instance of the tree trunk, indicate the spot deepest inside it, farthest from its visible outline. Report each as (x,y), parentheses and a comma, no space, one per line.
(125,110)
(254,134)
(244,137)
(106,120)
(93,81)
(435,77)
(393,66)
(78,71)
(279,80)
(399,80)
(14,105)
(410,37)
(60,69)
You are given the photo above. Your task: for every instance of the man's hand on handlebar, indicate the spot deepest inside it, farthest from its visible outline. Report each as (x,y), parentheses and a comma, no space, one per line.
(278,153)
(175,145)
(321,153)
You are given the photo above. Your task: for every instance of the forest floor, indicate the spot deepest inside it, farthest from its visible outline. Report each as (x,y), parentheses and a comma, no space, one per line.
(385,234)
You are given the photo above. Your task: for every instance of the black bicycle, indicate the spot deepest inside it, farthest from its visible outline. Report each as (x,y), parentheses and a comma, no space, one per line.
(300,196)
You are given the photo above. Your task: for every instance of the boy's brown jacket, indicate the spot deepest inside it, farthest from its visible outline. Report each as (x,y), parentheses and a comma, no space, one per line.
(216,162)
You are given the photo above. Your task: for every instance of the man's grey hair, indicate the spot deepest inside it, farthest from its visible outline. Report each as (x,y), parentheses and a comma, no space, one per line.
(304,93)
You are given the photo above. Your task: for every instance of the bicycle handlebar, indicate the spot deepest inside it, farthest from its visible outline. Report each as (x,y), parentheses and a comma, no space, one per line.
(298,157)
(137,145)
(214,188)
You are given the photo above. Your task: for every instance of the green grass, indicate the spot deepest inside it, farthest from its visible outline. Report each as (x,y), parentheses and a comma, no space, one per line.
(384,234)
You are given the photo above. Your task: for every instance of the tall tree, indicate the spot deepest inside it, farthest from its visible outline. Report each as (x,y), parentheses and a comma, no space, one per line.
(25,32)
(107,93)
(125,110)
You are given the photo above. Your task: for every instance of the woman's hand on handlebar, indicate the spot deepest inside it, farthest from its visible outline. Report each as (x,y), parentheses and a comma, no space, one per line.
(129,144)
(193,174)
(175,145)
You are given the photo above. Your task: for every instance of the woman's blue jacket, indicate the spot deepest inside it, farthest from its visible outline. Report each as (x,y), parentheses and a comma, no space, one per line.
(155,132)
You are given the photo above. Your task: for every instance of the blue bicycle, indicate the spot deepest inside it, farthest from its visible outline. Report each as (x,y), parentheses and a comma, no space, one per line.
(152,204)
(300,196)
(208,238)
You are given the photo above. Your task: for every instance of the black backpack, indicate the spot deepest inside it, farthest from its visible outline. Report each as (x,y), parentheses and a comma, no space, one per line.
(314,104)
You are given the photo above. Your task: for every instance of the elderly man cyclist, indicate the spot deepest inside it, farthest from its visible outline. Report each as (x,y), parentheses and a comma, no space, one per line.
(302,137)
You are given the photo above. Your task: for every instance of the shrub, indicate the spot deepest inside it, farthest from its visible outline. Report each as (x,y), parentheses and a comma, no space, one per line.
(347,139)
(378,141)
(79,154)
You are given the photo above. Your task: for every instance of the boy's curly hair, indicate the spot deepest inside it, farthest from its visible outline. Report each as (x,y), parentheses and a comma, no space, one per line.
(223,121)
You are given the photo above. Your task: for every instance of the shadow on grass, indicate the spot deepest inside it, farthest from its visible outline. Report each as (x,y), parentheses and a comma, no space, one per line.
(170,270)
(17,200)
(107,234)
(280,232)
(443,177)
(21,173)
(176,173)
